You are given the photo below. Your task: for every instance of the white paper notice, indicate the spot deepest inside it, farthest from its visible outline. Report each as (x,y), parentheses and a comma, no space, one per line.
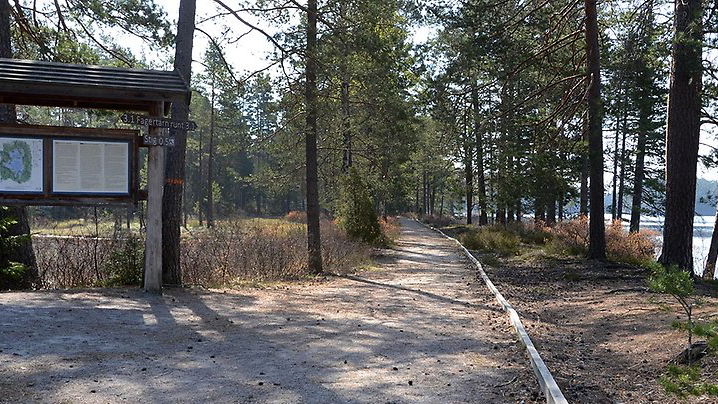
(90,167)
(21,164)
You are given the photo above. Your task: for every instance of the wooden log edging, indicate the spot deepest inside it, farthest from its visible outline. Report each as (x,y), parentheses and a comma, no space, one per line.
(546,381)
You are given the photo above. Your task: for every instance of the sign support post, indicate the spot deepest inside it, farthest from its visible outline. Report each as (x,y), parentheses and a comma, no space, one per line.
(155,189)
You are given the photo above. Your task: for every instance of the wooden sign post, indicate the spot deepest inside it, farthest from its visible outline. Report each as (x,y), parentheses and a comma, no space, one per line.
(155,189)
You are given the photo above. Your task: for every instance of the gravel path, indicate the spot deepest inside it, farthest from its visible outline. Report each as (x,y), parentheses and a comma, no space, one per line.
(419,328)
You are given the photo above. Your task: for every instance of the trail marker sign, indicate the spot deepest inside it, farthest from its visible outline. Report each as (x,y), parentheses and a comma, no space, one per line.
(157,122)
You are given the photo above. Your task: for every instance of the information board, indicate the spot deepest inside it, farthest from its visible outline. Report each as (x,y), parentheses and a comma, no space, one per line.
(21,165)
(90,167)
(55,165)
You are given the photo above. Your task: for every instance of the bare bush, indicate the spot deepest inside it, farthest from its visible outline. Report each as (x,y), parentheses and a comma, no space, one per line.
(261,250)
(73,261)
(233,251)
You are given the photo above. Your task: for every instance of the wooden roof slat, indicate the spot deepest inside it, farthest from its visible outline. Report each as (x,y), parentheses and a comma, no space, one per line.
(43,72)
(30,82)
(72,66)
(85,80)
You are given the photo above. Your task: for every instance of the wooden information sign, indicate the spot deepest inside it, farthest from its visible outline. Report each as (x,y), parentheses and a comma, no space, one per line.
(43,165)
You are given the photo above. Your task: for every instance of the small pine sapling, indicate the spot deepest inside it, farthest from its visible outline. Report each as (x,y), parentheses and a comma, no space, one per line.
(684,380)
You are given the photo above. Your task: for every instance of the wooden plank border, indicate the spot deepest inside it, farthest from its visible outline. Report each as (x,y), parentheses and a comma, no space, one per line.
(546,381)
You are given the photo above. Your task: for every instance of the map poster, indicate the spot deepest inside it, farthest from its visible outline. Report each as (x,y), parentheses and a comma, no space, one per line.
(90,167)
(21,165)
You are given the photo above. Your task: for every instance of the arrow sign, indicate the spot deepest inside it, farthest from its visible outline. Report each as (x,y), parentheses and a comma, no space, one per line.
(157,122)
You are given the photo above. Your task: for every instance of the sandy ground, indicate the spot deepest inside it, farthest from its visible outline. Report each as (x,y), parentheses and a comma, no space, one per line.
(420,328)
(604,336)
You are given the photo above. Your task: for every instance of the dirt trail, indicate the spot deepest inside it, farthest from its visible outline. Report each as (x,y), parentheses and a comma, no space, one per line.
(420,328)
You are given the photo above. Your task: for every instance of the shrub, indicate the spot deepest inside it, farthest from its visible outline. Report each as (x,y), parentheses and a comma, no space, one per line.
(296,216)
(685,380)
(12,274)
(630,248)
(125,266)
(357,216)
(438,221)
(570,237)
(495,239)
(531,233)
(390,228)
(263,250)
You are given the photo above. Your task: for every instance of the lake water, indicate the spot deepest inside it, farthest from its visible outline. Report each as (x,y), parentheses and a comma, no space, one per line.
(702,231)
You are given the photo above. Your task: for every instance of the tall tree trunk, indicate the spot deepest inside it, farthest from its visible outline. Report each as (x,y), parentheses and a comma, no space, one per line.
(441,204)
(614,193)
(314,244)
(551,212)
(175,161)
(210,161)
(682,138)
(518,211)
(638,175)
(597,230)
(481,178)
(583,196)
(709,271)
(416,204)
(346,112)
(645,112)
(469,177)
(622,176)
(200,183)
(23,253)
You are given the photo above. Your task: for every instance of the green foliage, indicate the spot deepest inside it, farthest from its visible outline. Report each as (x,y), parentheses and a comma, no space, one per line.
(356,214)
(12,273)
(494,239)
(125,265)
(685,381)
(672,281)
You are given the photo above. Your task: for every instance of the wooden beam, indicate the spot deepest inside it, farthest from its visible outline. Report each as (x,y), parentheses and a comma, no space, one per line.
(155,189)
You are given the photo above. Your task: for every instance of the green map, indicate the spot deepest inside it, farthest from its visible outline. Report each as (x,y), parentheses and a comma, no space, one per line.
(21,164)
(16,162)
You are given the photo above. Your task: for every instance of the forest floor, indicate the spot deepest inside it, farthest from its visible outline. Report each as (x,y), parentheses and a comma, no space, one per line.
(418,327)
(603,335)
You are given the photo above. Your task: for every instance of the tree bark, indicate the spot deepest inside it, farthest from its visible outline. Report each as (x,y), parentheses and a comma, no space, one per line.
(210,162)
(346,111)
(682,137)
(709,271)
(314,247)
(175,161)
(583,196)
(469,177)
(597,239)
(638,175)
(614,193)
(23,253)
(481,178)
(622,177)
